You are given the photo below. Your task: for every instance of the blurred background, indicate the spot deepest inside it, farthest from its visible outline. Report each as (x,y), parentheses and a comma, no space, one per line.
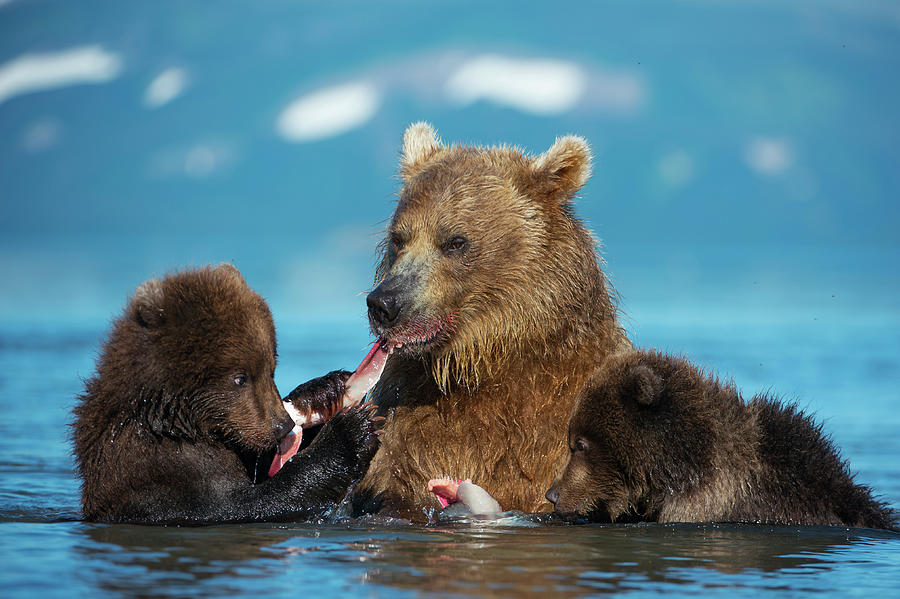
(745,186)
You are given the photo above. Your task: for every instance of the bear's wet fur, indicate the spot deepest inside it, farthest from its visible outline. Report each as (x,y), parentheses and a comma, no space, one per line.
(653,438)
(492,292)
(182,418)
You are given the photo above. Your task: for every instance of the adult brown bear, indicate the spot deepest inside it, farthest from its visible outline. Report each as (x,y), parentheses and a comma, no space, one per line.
(652,438)
(183,417)
(491,295)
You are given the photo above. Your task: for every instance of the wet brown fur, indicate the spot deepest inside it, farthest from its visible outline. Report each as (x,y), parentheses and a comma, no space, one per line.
(520,317)
(653,438)
(183,413)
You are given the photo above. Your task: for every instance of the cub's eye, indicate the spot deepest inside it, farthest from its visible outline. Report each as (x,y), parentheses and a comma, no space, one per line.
(455,245)
(396,242)
(240,380)
(580,445)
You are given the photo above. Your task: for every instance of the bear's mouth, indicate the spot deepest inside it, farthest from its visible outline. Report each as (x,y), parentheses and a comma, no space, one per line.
(587,510)
(419,336)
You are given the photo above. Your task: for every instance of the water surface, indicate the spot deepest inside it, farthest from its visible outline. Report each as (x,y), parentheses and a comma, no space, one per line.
(47,551)
(466,560)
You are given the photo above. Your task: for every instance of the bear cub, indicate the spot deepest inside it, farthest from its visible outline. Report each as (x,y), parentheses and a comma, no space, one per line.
(652,438)
(183,417)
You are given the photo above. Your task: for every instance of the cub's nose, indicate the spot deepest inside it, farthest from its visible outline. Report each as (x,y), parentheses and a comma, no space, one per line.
(552,495)
(283,426)
(384,306)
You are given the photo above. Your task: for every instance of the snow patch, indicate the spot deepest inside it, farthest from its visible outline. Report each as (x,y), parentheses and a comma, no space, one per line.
(39,72)
(328,112)
(199,160)
(537,86)
(769,156)
(165,87)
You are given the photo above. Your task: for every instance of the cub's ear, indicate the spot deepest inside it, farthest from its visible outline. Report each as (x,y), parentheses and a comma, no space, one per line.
(226,269)
(643,385)
(420,143)
(564,169)
(147,305)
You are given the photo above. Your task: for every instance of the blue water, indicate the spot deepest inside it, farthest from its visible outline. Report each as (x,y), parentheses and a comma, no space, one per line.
(835,359)
(745,190)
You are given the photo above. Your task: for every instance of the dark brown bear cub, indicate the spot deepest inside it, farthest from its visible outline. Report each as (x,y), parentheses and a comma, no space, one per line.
(183,413)
(652,438)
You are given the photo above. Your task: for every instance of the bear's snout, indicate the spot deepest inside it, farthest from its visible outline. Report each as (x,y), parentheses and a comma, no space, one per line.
(385,303)
(552,495)
(283,426)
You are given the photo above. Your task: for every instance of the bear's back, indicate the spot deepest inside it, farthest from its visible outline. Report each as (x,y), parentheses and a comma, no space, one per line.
(804,477)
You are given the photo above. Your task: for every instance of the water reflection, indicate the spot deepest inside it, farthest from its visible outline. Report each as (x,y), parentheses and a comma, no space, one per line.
(147,560)
(466,560)
(571,560)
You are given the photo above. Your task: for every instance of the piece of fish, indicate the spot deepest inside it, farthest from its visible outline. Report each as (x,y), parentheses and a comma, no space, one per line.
(360,382)
(450,491)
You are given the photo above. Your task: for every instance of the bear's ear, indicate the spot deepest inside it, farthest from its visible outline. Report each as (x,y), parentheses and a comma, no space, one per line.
(564,168)
(420,143)
(644,385)
(148,304)
(228,270)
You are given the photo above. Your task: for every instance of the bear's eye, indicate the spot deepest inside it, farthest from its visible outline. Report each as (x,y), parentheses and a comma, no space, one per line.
(580,445)
(240,380)
(455,245)
(396,242)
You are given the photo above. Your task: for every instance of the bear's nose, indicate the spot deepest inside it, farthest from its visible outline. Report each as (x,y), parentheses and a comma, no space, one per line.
(552,495)
(283,426)
(384,306)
